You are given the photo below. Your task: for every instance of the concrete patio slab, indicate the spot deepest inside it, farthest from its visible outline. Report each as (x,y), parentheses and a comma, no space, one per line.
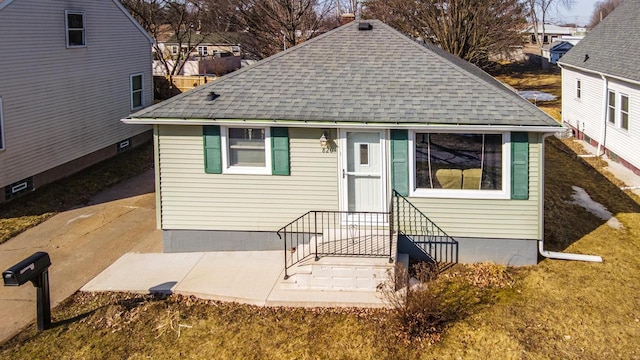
(242,276)
(155,273)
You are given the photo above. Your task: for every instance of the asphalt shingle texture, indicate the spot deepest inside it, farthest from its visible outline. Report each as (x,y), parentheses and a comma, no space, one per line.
(350,75)
(612,47)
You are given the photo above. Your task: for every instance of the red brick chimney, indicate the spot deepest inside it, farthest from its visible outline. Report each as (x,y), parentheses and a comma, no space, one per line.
(347,18)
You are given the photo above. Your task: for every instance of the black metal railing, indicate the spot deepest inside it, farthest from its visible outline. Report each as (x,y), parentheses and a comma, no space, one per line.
(428,237)
(337,233)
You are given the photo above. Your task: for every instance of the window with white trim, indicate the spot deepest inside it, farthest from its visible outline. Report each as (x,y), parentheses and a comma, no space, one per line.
(137,93)
(1,128)
(246,150)
(75,28)
(578,89)
(469,165)
(624,111)
(611,103)
(203,50)
(174,50)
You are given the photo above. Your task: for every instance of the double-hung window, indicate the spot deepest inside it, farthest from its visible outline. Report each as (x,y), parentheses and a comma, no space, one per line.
(75,28)
(137,95)
(611,114)
(578,89)
(203,50)
(624,111)
(1,128)
(246,150)
(174,50)
(473,165)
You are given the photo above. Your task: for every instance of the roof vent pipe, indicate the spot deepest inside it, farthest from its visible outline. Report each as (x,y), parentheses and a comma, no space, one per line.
(364,26)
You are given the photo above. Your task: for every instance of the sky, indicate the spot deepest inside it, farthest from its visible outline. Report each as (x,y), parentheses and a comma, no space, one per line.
(580,13)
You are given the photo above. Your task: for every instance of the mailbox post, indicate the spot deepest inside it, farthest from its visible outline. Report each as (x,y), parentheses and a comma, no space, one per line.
(34,269)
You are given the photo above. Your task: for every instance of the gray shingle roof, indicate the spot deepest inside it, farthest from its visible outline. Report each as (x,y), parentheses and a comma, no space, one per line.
(349,75)
(613,47)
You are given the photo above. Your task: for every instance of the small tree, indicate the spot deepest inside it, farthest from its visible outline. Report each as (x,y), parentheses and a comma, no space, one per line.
(180,20)
(471,29)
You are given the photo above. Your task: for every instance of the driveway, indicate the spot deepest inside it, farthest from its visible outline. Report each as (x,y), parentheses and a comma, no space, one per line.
(81,242)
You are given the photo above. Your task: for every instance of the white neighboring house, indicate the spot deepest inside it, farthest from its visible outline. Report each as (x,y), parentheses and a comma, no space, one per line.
(601,86)
(553,52)
(60,109)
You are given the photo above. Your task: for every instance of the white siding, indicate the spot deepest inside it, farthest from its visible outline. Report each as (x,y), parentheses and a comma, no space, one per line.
(191,199)
(588,113)
(60,104)
(509,219)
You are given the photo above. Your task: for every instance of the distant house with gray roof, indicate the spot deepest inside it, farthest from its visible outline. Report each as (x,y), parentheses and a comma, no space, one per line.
(601,86)
(331,144)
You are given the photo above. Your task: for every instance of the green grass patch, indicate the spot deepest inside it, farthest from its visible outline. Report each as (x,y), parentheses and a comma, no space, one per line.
(30,210)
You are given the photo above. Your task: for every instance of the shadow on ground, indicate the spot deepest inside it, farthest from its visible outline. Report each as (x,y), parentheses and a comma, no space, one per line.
(566,223)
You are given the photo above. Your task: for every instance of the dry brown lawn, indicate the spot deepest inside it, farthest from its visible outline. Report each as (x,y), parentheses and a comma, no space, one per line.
(555,310)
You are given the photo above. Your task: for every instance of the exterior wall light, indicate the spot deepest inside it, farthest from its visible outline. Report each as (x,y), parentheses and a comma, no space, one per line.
(324,142)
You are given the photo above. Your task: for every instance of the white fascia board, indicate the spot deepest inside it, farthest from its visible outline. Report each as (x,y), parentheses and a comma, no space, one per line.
(345,124)
(563,65)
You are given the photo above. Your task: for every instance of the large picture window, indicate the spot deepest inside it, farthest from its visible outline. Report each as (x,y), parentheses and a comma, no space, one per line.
(460,165)
(458,161)
(75,27)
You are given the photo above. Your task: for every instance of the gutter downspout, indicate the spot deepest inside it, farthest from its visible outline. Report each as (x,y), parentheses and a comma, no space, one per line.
(553,254)
(605,107)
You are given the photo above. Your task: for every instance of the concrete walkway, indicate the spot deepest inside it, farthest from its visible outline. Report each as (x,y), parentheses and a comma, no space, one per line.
(249,277)
(81,243)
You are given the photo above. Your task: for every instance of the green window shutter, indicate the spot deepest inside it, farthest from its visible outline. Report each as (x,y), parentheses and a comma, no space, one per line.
(519,166)
(400,161)
(280,151)
(212,149)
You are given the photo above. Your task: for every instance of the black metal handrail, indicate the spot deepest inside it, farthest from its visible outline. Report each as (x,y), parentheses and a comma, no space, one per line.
(414,225)
(337,233)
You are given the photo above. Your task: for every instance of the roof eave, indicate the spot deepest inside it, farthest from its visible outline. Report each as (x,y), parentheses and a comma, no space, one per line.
(563,64)
(346,124)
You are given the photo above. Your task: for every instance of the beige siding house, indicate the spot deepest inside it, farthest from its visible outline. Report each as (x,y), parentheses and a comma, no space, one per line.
(601,87)
(69,72)
(328,141)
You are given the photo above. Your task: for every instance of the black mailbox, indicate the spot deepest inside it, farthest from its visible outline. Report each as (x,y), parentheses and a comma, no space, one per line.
(35,268)
(27,269)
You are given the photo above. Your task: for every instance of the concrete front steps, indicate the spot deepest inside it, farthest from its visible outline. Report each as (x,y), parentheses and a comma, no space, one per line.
(342,273)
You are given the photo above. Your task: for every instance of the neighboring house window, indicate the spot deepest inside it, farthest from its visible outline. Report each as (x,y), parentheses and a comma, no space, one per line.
(246,150)
(611,116)
(203,50)
(174,50)
(137,95)
(235,49)
(75,28)
(624,111)
(578,89)
(459,165)
(1,128)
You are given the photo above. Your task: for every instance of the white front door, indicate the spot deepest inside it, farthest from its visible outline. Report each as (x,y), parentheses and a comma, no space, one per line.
(363,171)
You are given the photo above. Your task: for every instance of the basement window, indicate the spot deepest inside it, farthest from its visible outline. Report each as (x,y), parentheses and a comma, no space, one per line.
(75,28)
